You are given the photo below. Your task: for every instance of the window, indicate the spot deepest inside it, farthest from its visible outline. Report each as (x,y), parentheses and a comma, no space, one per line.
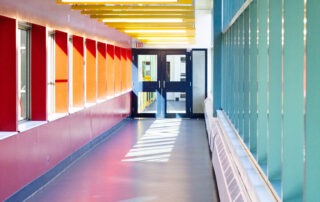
(23,42)
(51,73)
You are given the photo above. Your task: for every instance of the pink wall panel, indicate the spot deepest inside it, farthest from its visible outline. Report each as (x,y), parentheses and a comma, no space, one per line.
(28,155)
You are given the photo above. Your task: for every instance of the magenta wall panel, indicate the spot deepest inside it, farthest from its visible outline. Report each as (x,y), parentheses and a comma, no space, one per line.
(30,154)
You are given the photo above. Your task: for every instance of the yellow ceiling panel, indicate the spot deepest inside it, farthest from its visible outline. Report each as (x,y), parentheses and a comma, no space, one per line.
(144,18)
(148,21)
(132,8)
(95,2)
(142,12)
(153,26)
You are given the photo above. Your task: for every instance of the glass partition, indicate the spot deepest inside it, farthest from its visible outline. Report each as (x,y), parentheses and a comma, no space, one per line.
(147,68)
(176,68)
(176,102)
(147,102)
(198,80)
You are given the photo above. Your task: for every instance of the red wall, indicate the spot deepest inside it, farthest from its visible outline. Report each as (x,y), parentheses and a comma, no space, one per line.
(30,154)
(8,72)
(39,73)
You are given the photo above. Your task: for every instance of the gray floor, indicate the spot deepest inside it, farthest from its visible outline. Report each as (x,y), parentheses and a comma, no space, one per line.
(147,160)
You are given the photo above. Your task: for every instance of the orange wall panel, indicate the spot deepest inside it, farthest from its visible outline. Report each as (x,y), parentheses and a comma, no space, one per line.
(78,72)
(110,70)
(129,69)
(117,59)
(61,62)
(91,71)
(123,69)
(102,70)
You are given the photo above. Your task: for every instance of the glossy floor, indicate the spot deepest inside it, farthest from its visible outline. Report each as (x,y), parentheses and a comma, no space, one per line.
(146,160)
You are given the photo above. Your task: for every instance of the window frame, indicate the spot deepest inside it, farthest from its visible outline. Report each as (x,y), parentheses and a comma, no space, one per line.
(22,26)
(51,72)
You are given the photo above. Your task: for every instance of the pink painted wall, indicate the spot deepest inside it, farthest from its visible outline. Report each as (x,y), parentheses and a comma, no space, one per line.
(28,155)
(60,17)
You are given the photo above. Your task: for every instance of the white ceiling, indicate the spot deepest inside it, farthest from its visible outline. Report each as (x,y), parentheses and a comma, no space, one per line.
(203,4)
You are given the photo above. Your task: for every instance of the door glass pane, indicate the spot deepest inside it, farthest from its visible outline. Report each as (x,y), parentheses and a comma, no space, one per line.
(147,67)
(176,102)
(23,79)
(147,102)
(176,68)
(198,80)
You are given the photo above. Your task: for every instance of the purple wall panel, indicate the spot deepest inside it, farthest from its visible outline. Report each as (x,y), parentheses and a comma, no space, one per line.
(28,155)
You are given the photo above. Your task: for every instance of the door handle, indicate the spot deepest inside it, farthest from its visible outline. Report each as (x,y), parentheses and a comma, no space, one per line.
(164,84)
(159,84)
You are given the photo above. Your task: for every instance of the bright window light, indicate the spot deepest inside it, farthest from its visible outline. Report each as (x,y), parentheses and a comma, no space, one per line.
(137,20)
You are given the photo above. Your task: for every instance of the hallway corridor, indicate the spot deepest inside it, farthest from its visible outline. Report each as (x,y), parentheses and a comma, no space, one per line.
(145,160)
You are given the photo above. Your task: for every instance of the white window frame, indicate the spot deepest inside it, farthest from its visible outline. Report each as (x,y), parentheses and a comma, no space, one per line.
(24,27)
(51,55)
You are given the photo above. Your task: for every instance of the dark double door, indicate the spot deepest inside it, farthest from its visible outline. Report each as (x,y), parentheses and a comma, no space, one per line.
(162,83)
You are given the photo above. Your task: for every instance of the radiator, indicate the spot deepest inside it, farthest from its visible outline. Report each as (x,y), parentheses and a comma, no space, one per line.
(238,177)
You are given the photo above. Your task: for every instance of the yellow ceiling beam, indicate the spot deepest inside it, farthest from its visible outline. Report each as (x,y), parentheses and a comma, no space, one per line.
(149,21)
(132,8)
(130,2)
(170,42)
(156,30)
(118,13)
(184,25)
(164,38)
(184,17)
(191,35)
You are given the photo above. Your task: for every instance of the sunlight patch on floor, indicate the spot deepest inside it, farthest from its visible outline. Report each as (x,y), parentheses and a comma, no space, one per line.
(157,143)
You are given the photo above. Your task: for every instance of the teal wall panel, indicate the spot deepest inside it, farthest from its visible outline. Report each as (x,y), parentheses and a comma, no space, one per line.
(262,82)
(253,77)
(312,174)
(217,37)
(241,75)
(236,74)
(275,89)
(246,80)
(270,90)
(293,106)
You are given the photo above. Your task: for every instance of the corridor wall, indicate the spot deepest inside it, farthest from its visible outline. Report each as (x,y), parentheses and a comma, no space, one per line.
(269,90)
(83,98)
